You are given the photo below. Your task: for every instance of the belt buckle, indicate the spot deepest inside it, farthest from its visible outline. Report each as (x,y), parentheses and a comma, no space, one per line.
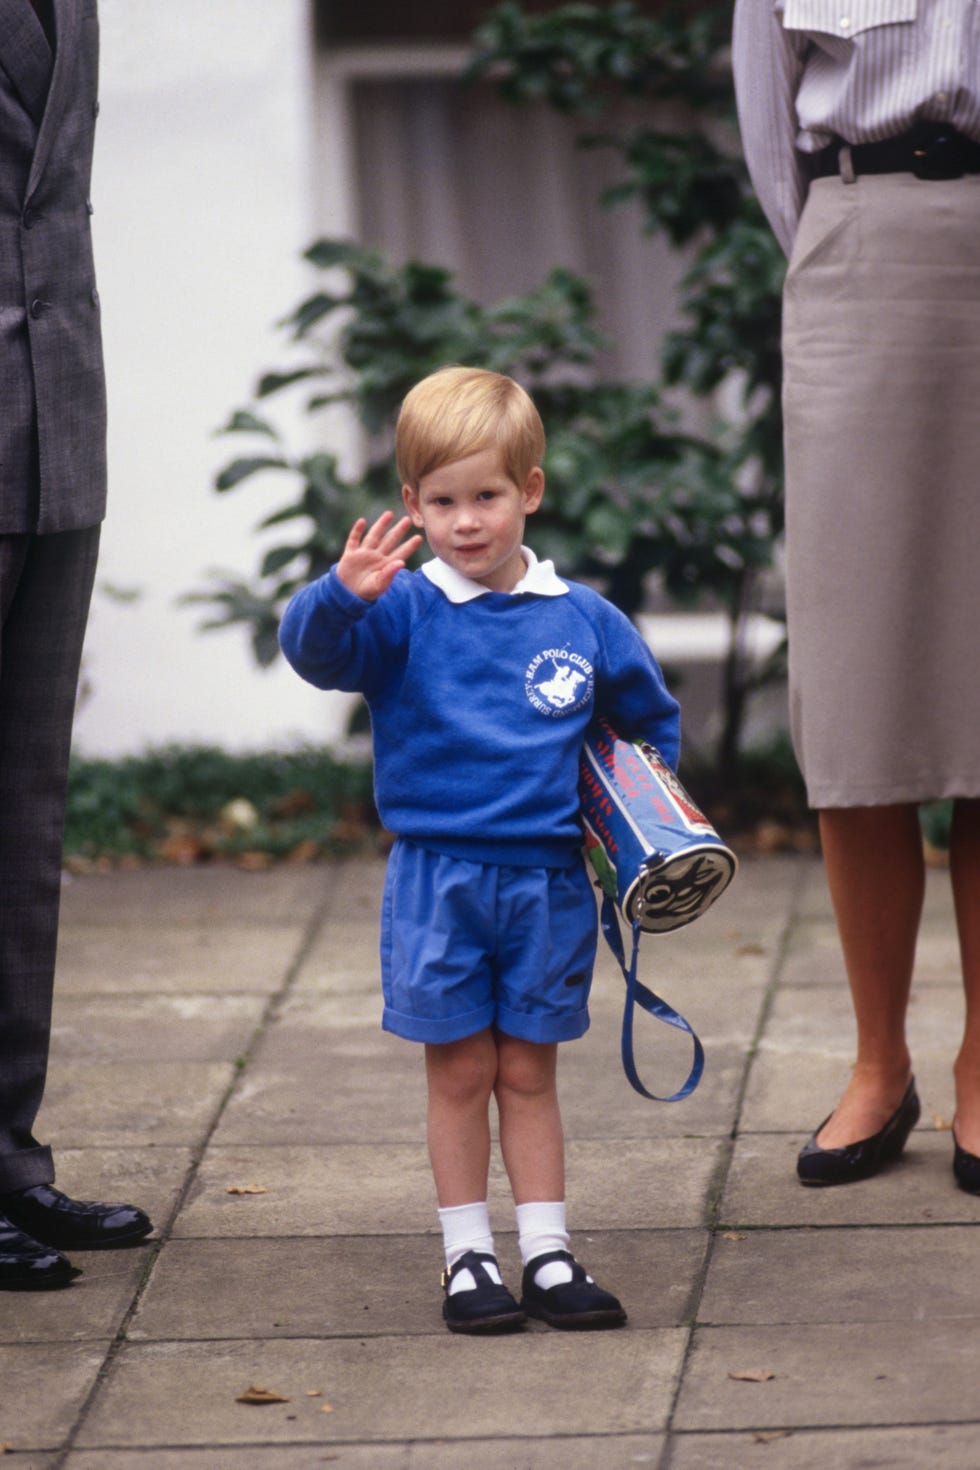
(939,158)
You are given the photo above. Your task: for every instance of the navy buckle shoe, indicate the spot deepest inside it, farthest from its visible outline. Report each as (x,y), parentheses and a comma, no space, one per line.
(47,1215)
(578,1303)
(485,1307)
(856,1161)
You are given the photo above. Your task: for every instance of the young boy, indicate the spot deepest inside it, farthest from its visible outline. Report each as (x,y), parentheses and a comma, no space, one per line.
(482,672)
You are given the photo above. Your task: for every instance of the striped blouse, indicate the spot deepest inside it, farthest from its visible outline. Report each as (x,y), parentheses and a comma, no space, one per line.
(807,71)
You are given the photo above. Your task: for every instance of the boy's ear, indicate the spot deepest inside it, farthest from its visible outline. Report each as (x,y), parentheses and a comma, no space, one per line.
(411,499)
(533,490)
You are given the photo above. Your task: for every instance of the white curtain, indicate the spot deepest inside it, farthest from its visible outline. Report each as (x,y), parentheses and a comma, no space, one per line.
(454,176)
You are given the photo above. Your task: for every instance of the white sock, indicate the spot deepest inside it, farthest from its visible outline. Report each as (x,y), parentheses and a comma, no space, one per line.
(541,1228)
(467,1228)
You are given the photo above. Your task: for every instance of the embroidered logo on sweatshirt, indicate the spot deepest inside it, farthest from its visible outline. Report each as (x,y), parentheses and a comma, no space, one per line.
(558,682)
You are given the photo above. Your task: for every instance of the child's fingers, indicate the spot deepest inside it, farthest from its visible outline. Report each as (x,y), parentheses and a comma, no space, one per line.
(395,533)
(355,535)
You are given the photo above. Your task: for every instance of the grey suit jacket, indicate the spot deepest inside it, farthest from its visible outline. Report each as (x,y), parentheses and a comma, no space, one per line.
(52,385)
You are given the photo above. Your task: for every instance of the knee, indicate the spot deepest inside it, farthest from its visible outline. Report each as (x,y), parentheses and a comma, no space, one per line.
(525,1069)
(462,1072)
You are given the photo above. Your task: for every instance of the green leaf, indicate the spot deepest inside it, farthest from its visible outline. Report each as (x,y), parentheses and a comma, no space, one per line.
(240,469)
(243,421)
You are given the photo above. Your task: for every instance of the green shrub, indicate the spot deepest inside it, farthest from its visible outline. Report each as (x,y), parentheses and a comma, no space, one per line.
(136,806)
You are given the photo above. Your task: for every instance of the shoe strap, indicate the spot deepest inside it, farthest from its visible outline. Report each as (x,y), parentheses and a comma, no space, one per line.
(578,1271)
(471,1261)
(637,994)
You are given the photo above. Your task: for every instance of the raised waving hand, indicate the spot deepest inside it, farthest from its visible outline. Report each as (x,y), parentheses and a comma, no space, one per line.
(374,555)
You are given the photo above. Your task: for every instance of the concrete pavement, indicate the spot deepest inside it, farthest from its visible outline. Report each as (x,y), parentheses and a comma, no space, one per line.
(217,1058)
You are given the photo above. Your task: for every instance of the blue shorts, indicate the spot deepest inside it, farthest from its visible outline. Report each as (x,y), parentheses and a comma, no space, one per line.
(469,945)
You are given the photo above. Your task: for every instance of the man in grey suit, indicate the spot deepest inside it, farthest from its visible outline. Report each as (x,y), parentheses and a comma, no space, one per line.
(52,500)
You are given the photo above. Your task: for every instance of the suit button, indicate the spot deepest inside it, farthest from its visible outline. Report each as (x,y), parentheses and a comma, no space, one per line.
(30,218)
(95,109)
(39,307)
(95,297)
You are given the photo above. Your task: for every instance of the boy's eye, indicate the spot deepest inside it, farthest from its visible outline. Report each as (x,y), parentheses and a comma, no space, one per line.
(486,495)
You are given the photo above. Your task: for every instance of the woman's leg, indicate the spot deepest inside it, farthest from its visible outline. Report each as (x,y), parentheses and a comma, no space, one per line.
(875,870)
(964,862)
(460,1077)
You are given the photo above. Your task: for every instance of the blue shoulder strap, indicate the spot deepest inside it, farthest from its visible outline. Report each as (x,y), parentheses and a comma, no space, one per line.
(638,994)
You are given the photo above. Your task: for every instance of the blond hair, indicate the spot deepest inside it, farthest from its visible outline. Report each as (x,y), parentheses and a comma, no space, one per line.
(459,411)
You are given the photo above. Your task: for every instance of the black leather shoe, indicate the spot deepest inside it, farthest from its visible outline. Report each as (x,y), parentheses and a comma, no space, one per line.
(47,1215)
(571,1304)
(485,1307)
(860,1160)
(966,1168)
(26,1265)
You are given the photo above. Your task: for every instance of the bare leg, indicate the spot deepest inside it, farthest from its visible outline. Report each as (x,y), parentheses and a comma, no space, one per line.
(531,1137)
(875,870)
(460,1076)
(964,860)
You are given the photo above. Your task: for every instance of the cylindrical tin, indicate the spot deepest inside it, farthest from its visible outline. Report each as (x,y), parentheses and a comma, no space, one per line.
(654,851)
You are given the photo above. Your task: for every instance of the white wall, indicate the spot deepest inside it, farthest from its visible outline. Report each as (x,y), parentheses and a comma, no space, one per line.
(203,203)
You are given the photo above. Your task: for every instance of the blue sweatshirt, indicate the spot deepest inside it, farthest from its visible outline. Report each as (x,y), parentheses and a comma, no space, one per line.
(479,702)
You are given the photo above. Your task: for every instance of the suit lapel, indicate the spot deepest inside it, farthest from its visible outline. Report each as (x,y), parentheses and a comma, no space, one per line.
(67,21)
(25,55)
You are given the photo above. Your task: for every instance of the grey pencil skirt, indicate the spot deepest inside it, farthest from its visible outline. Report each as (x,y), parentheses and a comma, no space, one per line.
(881,400)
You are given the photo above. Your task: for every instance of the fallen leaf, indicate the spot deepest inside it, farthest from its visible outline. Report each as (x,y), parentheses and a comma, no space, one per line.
(256,1394)
(326,1408)
(733,1235)
(314,1393)
(246,1189)
(941,1124)
(766,1436)
(753,1375)
(751,949)
(5,1447)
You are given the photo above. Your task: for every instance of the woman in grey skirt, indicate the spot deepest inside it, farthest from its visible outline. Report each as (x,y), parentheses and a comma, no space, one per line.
(861,126)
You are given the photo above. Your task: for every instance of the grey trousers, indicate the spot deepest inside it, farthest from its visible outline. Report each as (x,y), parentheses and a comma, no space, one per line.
(45,590)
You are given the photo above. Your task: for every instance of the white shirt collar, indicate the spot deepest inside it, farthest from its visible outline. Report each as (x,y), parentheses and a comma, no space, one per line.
(540,578)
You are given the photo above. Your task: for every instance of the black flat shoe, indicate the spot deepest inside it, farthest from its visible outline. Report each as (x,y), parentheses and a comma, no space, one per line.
(26,1265)
(860,1160)
(485,1307)
(49,1216)
(578,1303)
(966,1168)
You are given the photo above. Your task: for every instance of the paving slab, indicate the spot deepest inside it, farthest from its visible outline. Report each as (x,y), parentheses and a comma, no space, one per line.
(846,1374)
(311,1083)
(198,895)
(93,1306)
(610,1451)
(763,1189)
(387,1189)
(209,958)
(44,1387)
(357,1286)
(140,1104)
(180,1028)
(939,1447)
(185,1393)
(847,1275)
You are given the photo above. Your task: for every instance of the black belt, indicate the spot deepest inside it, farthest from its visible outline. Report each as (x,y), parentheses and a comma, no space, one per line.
(929,151)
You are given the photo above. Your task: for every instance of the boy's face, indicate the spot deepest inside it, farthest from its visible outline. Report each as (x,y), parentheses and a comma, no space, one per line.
(473,517)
